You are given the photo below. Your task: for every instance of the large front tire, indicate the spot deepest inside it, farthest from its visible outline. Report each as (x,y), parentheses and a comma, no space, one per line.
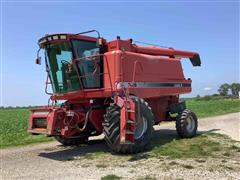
(143,130)
(186,124)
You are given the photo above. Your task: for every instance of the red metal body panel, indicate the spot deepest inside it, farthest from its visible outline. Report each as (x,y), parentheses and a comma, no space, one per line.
(49,113)
(148,69)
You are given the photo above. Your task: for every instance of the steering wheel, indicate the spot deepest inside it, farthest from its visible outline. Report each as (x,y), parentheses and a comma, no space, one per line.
(65,62)
(69,65)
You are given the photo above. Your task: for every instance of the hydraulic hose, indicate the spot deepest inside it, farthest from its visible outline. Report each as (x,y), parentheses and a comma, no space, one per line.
(85,121)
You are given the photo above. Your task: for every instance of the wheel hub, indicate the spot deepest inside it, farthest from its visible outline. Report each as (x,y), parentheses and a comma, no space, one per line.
(140,127)
(190,124)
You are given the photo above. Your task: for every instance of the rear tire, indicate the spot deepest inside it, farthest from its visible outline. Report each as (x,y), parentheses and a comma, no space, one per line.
(111,128)
(186,124)
(71,141)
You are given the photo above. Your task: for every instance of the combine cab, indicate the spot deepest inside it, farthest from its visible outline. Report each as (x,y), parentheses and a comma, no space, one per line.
(117,88)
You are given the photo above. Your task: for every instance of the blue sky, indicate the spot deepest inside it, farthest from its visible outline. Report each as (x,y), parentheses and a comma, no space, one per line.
(212,29)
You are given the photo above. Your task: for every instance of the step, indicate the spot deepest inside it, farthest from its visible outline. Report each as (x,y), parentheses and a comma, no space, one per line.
(129,132)
(131,111)
(130,122)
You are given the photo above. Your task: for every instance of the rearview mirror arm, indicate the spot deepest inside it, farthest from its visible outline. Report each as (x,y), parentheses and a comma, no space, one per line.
(38,59)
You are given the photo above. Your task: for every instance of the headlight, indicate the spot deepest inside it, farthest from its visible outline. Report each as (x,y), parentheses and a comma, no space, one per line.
(49,38)
(55,37)
(63,37)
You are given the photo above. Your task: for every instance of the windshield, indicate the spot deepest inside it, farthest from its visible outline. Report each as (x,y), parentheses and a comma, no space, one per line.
(63,75)
(59,59)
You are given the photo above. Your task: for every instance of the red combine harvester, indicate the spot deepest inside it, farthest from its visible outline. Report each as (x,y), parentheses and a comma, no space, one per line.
(117,88)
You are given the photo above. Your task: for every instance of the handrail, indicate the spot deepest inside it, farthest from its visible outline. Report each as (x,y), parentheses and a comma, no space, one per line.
(93,73)
(46,86)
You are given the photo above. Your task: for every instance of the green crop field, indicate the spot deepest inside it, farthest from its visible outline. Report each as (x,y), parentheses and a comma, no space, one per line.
(13,128)
(214,107)
(13,122)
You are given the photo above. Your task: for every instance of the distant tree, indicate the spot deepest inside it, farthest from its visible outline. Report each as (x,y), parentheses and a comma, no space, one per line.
(235,88)
(223,89)
(198,96)
(206,98)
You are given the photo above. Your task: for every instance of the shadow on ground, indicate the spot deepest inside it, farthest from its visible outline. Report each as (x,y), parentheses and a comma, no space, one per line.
(62,153)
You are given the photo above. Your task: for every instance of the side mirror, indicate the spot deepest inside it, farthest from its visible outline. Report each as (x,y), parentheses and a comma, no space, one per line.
(38,61)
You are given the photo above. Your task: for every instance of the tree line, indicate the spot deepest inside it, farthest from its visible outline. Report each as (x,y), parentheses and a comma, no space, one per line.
(18,107)
(233,88)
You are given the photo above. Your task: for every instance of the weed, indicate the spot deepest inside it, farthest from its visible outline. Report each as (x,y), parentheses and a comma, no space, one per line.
(101,166)
(95,155)
(136,157)
(147,177)
(132,171)
(188,166)
(234,147)
(85,165)
(200,160)
(227,154)
(110,177)
(122,165)
(211,169)
(172,163)
(70,159)
(227,167)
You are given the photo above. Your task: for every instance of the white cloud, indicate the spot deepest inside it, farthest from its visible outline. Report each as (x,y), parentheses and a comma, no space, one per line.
(207,88)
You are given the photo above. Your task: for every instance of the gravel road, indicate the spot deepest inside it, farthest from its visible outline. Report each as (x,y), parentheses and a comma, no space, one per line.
(53,161)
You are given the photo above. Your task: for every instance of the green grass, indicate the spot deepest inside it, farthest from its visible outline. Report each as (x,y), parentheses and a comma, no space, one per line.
(213,107)
(13,122)
(206,145)
(91,156)
(13,128)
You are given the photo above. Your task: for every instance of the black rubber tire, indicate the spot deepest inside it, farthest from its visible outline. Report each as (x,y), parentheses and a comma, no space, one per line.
(181,124)
(111,126)
(72,141)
